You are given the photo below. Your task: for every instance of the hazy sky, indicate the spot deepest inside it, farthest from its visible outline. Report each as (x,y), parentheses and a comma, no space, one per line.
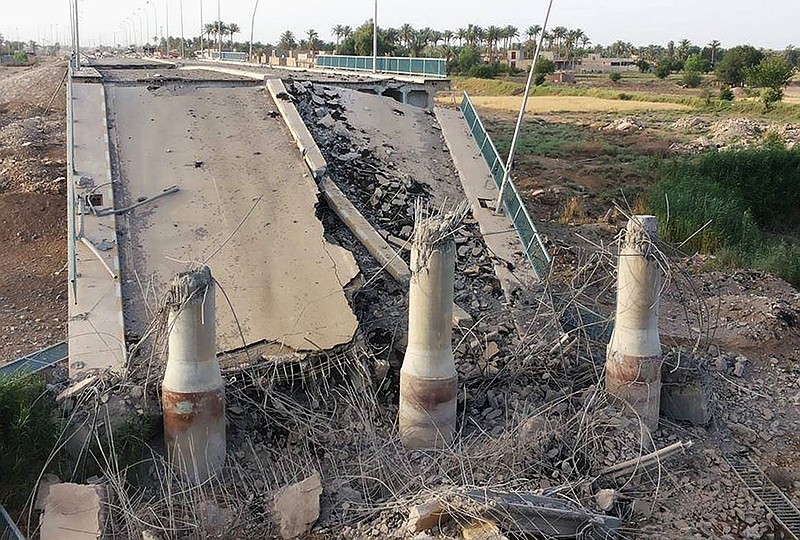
(765,23)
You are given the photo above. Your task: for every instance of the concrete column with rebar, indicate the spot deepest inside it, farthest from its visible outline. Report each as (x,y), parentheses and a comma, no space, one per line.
(428,380)
(193,393)
(633,361)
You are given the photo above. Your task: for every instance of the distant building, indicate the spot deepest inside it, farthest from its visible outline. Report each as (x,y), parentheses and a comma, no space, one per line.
(563,77)
(594,63)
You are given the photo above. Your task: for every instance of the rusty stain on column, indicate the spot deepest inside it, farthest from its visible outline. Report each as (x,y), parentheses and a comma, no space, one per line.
(193,393)
(633,361)
(428,380)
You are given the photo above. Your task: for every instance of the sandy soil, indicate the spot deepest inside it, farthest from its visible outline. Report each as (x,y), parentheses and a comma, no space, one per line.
(32,209)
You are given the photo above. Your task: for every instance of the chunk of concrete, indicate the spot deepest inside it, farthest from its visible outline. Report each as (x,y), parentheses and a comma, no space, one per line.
(296,507)
(74,512)
(426,516)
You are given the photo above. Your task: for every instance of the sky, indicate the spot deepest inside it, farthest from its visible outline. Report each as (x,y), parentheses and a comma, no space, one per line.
(641,22)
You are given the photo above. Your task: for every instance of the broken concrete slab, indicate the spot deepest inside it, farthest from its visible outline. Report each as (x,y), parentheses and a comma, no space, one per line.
(426,516)
(74,512)
(296,507)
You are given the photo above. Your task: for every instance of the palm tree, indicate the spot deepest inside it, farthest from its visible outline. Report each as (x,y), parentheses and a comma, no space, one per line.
(287,41)
(233,28)
(510,32)
(714,45)
(560,35)
(210,30)
(461,34)
(337,33)
(447,35)
(391,36)
(492,35)
(407,34)
(313,38)
(346,32)
(533,32)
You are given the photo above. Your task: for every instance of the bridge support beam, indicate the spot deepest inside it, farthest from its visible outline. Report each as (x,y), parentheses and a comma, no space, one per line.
(633,361)
(428,379)
(193,393)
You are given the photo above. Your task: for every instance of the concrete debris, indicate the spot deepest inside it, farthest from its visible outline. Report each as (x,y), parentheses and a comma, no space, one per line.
(626,124)
(481,530)
(606,499)
(296,507)
(74,512)
(641,464)
(425,516)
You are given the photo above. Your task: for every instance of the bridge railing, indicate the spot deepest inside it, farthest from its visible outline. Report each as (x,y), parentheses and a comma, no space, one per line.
(429,67)
(512,201)
(229,56)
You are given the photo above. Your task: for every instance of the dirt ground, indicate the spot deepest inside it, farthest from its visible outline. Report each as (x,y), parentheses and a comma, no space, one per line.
(33,290)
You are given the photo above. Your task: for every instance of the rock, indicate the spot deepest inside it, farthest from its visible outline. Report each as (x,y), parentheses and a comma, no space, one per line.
(741,364)
(296,507)
(606,499)
(150,535)
(375,200)
(425,516)
(481,530)
(491,350)
(73,512)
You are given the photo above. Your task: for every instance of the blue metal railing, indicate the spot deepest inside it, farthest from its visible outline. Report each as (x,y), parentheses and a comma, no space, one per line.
(512,201)
(8,529)
(36,361)
(431,67)
(230,56)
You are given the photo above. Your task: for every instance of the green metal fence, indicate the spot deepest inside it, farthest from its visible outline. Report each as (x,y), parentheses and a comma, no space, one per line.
(432,67)
(512,202)
(229,56)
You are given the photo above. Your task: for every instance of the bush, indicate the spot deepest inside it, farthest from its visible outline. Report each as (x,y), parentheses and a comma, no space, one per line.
(483,71)
(615,76)
(28,432)
(624,97)
(467,58)
(539,79)
(21,57)
(663,69)
(726,94)
(692,79)
(770,96)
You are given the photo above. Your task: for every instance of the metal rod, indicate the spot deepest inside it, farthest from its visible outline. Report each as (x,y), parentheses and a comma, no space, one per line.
(522,111)
(99,256)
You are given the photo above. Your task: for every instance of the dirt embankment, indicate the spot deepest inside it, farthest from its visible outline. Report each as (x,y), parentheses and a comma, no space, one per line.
(33,305)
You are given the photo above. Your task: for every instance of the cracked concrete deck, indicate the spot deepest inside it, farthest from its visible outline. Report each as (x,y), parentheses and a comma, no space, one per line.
(246,200)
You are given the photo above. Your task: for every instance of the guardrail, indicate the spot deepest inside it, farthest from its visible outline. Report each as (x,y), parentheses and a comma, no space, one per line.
(8,529)
(230,56)
(431,67)
(72,257)
(36,361)
(512,201)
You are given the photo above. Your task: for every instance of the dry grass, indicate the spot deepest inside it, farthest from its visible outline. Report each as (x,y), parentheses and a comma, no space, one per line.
(551,104)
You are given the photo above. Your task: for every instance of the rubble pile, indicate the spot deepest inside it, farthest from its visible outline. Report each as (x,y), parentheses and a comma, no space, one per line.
(625,124)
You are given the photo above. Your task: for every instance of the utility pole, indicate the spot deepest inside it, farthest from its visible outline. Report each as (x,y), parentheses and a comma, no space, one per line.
(167,23)
(183,39)
(76,35)
(513,149)
(375,39)
(155,16)
(252,29)
(147,20)
(202,29)
(219,31)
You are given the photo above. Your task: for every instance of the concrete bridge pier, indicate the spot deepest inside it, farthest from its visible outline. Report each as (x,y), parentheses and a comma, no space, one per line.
(193,393)
(633,361)
(428,379)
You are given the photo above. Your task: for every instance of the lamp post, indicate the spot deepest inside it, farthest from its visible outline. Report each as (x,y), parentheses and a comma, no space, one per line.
(167,25)
(183,39)
(202,29)
(219,31)
(375,39)
(252,29)
(155,16)
(141,35)
(147,21)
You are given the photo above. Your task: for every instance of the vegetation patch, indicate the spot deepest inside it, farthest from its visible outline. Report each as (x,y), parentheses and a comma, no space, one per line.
(28,432)
(742,205)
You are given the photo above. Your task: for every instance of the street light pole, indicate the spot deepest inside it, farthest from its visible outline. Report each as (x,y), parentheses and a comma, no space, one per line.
(183,39)
(155,16)
(219,31)
(202,29)
(510,161)
(252,29)
(375,39)
(147,20)
(77,37)
(167,23)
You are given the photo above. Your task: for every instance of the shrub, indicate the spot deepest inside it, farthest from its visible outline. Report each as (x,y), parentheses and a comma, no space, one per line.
(726,94)
(624,97)
(28,431)
(539,78)
(615,77)
(663,69)
(692,79)
(21,57)
(483,71)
